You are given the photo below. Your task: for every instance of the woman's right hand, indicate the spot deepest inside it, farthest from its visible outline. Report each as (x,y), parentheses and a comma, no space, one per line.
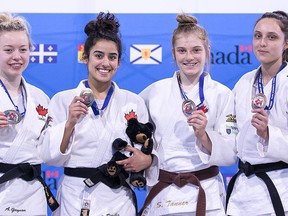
(3,120)
(76,109)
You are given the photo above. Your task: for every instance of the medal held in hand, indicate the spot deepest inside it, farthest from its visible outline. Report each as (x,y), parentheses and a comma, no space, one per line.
(87,95)
(188,107)
(13,116)
(259,101)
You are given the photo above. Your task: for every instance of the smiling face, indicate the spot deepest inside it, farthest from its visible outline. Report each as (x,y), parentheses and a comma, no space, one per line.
(269,42)
(14,53)
(102,62)
(189,54)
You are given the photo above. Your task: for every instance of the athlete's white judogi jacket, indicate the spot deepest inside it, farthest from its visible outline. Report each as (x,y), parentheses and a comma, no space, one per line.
(250,195)
(20,144)
(91,146)
(178,149)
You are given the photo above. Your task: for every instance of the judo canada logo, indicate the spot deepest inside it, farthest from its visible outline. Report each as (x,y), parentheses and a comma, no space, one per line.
(240,55)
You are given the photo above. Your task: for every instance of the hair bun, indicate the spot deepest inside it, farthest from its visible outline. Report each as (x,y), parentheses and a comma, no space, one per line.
(102,24)
(184,20)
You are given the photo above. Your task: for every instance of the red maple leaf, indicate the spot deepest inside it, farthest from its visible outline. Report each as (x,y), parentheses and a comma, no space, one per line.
(130,115)
(41,111)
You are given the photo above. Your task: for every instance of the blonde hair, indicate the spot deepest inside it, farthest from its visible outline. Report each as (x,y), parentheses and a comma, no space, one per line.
(10,22)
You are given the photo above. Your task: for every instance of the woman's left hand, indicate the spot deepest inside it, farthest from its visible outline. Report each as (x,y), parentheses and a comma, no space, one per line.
(137,162)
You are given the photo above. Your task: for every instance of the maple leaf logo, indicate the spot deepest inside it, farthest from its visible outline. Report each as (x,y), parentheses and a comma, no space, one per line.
(131,115)
(41,111)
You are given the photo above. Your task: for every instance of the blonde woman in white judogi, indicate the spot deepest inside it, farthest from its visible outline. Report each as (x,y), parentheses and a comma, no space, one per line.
(191,139)
(23,115)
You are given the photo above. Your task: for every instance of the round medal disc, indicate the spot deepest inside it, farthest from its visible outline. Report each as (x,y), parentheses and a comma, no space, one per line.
(87,95)
(188,107)
(259,101)
(13,116)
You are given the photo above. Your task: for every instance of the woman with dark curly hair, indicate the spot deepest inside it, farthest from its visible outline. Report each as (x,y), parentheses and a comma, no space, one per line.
(86,120)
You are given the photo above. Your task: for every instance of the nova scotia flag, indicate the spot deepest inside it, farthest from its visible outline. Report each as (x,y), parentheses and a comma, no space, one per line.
(146,54)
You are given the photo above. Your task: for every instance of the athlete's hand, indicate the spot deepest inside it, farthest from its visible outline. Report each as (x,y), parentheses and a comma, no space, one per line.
(260,122)
(198,121)
(137,162)
(76,109)
(3,120)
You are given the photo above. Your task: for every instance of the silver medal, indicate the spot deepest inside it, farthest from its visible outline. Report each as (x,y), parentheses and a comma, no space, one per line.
(259,101)
(13,116)
(87,95)
(188,107)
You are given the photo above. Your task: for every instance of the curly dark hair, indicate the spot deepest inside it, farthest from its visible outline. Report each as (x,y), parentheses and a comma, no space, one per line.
(105,26)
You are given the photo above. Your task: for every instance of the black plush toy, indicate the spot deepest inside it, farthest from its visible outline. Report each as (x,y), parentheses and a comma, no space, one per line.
(113,174)
(138,133)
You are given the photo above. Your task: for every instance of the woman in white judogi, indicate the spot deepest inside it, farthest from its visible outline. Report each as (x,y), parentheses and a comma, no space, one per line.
(23,115)
(190,138)
(263,124)
(81,136)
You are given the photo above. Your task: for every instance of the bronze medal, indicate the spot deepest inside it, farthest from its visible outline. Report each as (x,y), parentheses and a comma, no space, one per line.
(13,116)
(188,107)
(259,101)
(87,95)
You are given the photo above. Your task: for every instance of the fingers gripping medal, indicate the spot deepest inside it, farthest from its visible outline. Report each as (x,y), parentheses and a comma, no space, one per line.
(188,107)
(13,116)
(259,101)
(87,95)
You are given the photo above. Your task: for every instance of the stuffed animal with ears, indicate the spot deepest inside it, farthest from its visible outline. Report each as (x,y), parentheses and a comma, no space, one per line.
(113,174)
(138,133)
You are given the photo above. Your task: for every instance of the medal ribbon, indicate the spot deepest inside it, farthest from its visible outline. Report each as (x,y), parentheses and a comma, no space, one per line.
(273,88)
(201,91)
(106,101)
(15,106)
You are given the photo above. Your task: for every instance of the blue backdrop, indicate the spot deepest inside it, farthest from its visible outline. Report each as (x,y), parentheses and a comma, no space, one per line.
(55,65)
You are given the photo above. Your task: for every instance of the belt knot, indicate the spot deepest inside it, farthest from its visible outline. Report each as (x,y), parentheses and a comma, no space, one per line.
(181,179)
(248,169)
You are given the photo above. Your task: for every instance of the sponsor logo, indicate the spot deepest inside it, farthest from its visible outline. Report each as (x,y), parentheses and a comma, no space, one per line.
(240,55)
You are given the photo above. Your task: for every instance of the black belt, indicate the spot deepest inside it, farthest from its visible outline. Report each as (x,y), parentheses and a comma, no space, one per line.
(260,171)
(99,174)
(27,172)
